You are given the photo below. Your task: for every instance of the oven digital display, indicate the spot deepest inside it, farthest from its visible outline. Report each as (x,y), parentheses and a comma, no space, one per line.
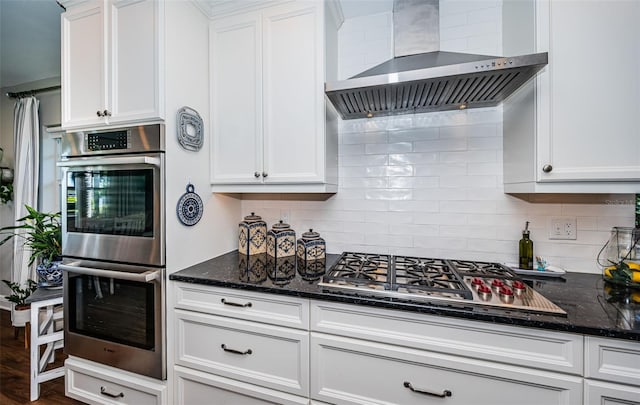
(108,141)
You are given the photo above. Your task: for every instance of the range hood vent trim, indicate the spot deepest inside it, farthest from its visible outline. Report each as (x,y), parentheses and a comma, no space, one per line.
(430,81)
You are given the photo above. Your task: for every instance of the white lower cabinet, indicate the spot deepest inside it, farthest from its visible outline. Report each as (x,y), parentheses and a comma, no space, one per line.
(350,371)
(196,388)
(94,383)
(612,371)
(239,347)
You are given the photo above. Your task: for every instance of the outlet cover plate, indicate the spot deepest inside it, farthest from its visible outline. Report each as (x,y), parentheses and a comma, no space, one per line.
(563,228)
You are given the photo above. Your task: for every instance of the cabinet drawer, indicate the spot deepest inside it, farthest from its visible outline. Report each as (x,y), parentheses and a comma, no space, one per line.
(612,360)
(260,354)
(553,351)
(195,387)
(349,371)
(97,384)
(598,392)
(268,308)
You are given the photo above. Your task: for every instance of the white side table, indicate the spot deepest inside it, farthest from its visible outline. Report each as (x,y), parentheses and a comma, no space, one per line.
(43,333)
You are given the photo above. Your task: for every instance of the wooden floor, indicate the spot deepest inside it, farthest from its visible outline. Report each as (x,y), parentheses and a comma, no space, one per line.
(14,370)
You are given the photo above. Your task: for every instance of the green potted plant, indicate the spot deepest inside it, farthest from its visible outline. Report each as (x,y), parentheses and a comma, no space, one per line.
(42,235)
(21,310)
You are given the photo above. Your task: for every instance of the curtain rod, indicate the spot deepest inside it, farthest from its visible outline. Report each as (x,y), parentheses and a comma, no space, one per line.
(33,92)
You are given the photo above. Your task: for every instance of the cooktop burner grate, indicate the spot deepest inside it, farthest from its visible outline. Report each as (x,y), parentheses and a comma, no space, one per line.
(486,269)
(421,275)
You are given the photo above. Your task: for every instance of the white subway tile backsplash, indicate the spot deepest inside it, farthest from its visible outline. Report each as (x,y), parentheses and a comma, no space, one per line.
(364,138)
(414,206)
(388,240)
(440,219)
(441,145)
(366,182)
(482,156)
(415,134)
(377,148)
(451,169)
(430,185)
(413,158)
(390,194)
(440,194)
(389,217)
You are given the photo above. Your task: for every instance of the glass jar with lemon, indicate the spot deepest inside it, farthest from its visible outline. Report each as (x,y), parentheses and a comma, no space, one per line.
(620,257)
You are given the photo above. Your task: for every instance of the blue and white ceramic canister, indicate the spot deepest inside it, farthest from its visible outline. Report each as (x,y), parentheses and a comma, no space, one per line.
(252,235)
(311,246)
(281,241)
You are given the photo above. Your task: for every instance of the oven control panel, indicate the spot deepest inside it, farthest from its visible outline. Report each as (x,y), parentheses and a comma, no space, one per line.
(108,141)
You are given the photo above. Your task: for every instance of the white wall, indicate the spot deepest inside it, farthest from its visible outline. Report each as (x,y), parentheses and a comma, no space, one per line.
(431,184)
(187,84)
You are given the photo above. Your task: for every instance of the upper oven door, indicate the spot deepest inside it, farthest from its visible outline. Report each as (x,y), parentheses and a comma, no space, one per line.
(112,208)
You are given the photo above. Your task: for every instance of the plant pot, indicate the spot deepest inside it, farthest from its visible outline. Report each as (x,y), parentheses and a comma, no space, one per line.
(49,274)
(20,315)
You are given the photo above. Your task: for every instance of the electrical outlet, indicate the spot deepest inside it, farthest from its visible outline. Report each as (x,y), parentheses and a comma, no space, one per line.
(563,228)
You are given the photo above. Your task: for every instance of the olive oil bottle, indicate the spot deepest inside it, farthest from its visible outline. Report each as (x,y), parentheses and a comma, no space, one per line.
(526,250)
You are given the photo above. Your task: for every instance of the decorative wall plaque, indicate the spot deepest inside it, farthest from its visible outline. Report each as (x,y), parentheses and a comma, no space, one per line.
(190,207)
(190,129)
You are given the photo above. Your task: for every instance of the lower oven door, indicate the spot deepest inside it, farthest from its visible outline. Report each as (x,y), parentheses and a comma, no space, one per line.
(115,315)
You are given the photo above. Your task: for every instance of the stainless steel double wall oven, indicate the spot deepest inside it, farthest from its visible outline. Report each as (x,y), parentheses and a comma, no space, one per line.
(113,244)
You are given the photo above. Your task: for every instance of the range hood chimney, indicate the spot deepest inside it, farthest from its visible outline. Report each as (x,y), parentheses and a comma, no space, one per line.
(421,78)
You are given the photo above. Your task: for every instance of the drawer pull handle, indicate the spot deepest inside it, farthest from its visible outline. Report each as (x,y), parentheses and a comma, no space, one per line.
(104,391)
(235,304)
(226,349)
(445,393)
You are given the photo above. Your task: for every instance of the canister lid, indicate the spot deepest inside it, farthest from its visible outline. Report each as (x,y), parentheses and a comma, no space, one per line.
(252,218)
(280,226)
(310,235)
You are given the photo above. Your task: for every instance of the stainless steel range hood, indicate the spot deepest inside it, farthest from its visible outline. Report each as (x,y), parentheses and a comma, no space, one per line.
(421,78)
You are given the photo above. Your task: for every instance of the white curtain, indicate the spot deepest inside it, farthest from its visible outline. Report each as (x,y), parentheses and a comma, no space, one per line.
(26,133)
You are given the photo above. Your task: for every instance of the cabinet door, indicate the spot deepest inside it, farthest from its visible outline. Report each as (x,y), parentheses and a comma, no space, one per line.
(236,100)
(294,93)
(599,392)
(135,58)
(588,128)
(83,64)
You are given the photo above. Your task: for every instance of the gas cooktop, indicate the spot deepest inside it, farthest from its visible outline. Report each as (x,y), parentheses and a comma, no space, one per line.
(455,283)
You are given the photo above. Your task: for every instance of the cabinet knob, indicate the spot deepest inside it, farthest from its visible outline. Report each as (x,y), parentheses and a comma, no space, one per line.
(99,113)
(256,175)
(547,168)
(265,174)
(106,113)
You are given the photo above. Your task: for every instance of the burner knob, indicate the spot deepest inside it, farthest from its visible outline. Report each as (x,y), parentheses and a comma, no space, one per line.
(477,282)
(484,292)
(497,283)
(506,295)
(519,285)
(505,291)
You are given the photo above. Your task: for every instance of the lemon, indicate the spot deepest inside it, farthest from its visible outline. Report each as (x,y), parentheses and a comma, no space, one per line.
(607,271)
(634,266)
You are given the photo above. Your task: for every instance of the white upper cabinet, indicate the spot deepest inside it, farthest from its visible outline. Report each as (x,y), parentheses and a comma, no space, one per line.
(271,129)
(112,62)
(576,127)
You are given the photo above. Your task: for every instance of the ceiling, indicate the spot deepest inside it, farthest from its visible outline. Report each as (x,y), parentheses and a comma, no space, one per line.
(30,35)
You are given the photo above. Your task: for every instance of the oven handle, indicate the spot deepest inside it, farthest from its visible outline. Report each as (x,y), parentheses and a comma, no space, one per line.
(122,160)
(145,277)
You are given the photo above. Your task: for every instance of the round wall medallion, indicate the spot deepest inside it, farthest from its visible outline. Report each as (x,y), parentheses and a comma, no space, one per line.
(190,207)
(190,129)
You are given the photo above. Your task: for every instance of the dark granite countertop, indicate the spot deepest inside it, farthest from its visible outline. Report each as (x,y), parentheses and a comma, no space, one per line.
(593,308)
